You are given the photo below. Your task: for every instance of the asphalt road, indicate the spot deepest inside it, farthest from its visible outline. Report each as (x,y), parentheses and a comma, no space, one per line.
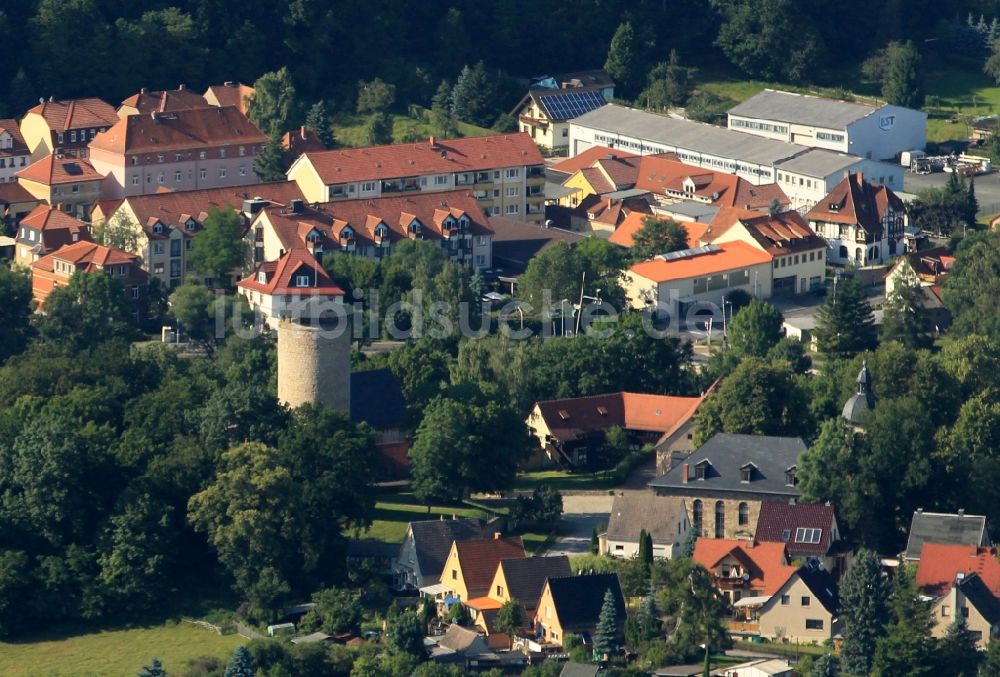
(987,188)
(581,514)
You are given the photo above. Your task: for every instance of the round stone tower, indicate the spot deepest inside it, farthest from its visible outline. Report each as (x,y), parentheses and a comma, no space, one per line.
(314,364)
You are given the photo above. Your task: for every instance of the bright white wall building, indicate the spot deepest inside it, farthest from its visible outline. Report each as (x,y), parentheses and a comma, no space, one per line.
(871,132)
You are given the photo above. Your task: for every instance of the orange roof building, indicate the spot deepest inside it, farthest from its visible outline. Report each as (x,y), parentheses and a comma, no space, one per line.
(66,182)
(371,228)
(671,283)
(634,222)
(505,172)
(45,230)
(744,568)
(566,430)
(471,564)
(65,127)
(178,150)
(56,269)
(941,563)
(145,102)
(295,286)
(230,94)
(587,158)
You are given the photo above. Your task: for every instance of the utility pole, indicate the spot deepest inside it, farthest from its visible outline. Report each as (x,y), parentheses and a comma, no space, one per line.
(579,312)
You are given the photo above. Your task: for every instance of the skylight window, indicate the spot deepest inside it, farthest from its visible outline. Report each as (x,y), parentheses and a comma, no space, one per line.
(808,536)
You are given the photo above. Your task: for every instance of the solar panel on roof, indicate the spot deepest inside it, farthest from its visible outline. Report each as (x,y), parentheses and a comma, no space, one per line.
(570,104)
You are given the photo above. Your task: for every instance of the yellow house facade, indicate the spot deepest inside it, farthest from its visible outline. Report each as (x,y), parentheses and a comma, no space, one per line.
(968,597)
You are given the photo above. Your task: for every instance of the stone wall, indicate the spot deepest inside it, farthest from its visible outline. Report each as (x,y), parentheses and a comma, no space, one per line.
(314,365)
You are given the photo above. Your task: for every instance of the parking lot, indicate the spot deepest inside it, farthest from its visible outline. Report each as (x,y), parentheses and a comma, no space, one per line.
(987,188)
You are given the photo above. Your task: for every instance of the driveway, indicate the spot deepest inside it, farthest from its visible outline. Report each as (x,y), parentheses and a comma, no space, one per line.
(581,515)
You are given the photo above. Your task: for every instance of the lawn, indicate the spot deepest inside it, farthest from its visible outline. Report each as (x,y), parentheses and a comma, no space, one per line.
(563,481)
(114,653)
(350,130)
(394,511)
(782,648)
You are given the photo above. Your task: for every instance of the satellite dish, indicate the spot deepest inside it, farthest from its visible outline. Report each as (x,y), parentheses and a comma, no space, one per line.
(746,576)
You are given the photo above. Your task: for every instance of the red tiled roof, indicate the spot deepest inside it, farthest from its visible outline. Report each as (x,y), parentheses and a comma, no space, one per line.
(231,94)
(18,147)
(280,276)
(166,101)
(782,233)
(89,256)
(58,228)
(574,417)
(52,170)
(729,256)
(766,563)
(180,130)
(414,159)
(587,159)
(940,563)
(364,216)
(302,141)
(76,114)
(480,557)
(633,223)
(777,518)
(174,208)
(597,180)
(749,196)
(12,192)
(855,201)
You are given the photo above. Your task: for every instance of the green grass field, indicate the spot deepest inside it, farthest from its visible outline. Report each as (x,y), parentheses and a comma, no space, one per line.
(113,653)
(350,131)
(562,480)
(394,511)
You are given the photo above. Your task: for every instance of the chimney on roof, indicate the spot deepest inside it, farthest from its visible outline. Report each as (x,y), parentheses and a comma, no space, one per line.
(920,511)
(228,83)
(684,473)
(961,512)
(454,517)
(302,132)
(51,98)
(441,517)
(433,141)
(41,99)
(180,87)
(496,535)
(143,90)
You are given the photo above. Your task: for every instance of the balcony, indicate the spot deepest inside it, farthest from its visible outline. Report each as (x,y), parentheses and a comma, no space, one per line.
(464,179)
(742,627)
(400,186)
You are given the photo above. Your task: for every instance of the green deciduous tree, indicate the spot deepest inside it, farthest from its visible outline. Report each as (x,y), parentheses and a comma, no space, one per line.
(15,311)
(758,398)
(700,614)
(624,60)
(219,248)
(658,236)
(406,634)
(752,37)
(903,78)
(559,271)
(864,598)
(510,618)
(971,288)
(118,232)
(668,84)
(90,309)
(335,611)
(375,97)
(607,631)
(756,329)
(378,129)
(845,324)
(904,319)
(272,106)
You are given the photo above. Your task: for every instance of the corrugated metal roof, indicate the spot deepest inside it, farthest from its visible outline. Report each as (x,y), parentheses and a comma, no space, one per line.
(802,109)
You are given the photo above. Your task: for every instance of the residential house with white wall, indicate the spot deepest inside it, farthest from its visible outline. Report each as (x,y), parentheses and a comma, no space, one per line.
(14,152)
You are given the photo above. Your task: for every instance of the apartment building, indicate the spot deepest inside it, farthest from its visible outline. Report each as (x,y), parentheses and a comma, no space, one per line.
(145,101)
(371,228)
(14,153)
(56,269)
(505,173)
(167,223)
(65,182)
(179,150)
(45,230)
(65,127)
